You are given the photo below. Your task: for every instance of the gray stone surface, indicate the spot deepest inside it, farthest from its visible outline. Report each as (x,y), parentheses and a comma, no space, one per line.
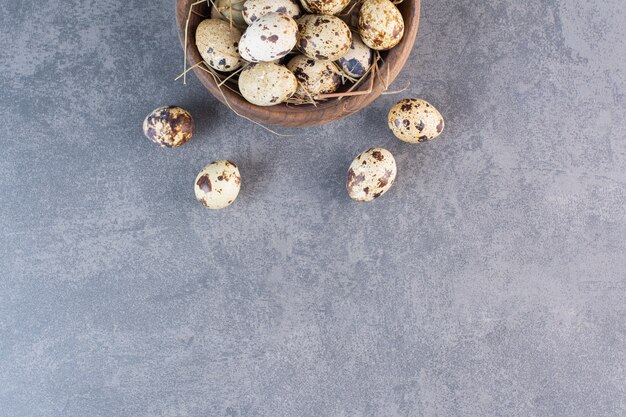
(490,281)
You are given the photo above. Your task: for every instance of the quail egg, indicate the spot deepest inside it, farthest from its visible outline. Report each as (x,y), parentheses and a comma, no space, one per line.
(371,175)
(217,43)
(358,60)
(315,77)
(380,24)
(269,38)
(323,37)
(254,9)
(168,127)
(267,83)
(224,8)
(218,184)
(415,120)
(324,6)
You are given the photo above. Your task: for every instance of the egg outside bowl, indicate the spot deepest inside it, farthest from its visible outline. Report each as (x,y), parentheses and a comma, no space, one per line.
(302,115)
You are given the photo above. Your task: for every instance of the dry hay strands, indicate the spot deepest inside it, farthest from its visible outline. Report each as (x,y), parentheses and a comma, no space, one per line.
(191,6)
(220,10)
(217,79)
(402,90)
(352,91)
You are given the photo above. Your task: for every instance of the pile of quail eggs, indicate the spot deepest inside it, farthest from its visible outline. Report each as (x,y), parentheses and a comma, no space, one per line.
(281,53)
(298,49)
(370,175)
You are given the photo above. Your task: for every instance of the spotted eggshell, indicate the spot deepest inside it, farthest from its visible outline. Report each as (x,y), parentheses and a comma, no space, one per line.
(270,38)
(315,77)
(323,37)
(371,175)
(218,184)
(415,120)
(267,83)
(358,60)
(324,6)
(380,24)
(168,127)
(254,9)
(217,43)
(224,8)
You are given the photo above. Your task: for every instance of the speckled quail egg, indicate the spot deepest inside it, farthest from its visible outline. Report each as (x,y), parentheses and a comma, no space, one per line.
(224,8)
(415,120)
(380,24)
(269,38)
(358,60)
(324,6)
(217,43)
(323,37)
(371,175)
(267,83)
(254,9)
(218,184)
(315,77)
(168,127)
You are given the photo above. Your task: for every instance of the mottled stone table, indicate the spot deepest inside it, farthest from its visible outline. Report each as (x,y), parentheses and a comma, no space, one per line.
(490,281)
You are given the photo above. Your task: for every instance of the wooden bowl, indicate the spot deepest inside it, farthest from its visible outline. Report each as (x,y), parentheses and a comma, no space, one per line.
(303,115)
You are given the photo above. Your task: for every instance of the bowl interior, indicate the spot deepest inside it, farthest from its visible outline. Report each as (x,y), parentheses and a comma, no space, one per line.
(304,115)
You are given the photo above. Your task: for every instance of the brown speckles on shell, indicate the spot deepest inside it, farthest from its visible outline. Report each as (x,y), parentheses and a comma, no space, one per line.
(272,38)
(354,180)
(330,7)
(169,127)
(255,9)
(377,155)
(384,180)
(269,38)
(204,183)
(381,25)
(415,121)
(218,184)
(217,43)
(323,37)
(267,84)
(440,126)
(371,174)
(315,76)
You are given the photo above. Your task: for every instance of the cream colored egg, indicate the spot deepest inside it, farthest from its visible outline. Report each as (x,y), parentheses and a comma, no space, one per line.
(269,38)
(254,9)
(380,24)
(315,77)
(324,6)
(218,184)
(217,43)
(358,60)
(267,83)
(371,175)
(415,121)
(224,9)
(323,37)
